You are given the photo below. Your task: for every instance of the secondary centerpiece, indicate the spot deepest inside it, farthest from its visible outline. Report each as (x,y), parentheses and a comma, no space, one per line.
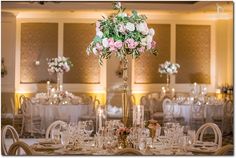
(168,68)
(122,35)
(152,125)
(122,134)
(59,65)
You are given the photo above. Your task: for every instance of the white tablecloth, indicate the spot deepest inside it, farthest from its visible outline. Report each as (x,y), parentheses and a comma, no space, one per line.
(51,113)
(186,111)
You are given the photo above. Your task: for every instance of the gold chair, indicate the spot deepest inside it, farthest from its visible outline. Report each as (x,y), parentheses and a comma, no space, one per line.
(14,135)
(20,145)
(217,132)
(29,119)
(225,150)
(55,124)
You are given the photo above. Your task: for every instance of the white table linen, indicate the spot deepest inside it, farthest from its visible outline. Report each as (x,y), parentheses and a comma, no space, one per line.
(51,113)
(186,111)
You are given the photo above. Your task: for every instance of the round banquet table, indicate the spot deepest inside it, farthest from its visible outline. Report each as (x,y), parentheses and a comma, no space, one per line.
(208,111)
(51,113)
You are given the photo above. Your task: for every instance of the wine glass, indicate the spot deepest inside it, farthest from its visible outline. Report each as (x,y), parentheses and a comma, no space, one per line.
(89,127)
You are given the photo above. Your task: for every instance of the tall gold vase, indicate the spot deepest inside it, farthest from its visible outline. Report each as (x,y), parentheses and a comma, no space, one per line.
(125,106)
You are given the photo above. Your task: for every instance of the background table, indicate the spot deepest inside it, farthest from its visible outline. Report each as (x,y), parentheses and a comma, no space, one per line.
(51,113)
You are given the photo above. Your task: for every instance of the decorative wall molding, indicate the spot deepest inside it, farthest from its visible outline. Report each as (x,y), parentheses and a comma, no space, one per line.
(99,87)
(183,87)
(39,41)
(146,66)
(193,43)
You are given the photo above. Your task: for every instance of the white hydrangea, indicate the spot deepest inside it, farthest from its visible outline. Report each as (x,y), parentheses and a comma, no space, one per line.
(130,26)
(143,28)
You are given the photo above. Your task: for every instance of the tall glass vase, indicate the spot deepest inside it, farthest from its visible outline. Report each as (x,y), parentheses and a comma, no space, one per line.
(125,106)
(59,81)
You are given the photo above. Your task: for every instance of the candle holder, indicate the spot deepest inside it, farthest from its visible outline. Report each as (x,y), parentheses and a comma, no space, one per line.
(138,116)
(100,118)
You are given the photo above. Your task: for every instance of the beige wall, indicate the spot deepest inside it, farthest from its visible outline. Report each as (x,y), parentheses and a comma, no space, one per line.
(224,52)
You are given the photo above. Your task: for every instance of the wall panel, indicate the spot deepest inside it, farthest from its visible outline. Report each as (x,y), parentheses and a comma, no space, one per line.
(193,53)
(39,41)
(77,37)
(146,67)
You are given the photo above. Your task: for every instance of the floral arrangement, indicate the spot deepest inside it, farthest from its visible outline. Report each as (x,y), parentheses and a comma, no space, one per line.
(122,132)
(122,34)
(168,68)
(152,125)
(59,65)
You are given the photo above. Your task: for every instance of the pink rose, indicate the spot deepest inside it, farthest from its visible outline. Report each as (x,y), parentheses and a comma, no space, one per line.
(118,44)
(141,49)
(112,49)
(99,47)
(153,44)
(131,43)
(110,42)
(149,45)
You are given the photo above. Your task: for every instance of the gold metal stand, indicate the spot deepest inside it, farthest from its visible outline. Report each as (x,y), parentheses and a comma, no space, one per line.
(125,105)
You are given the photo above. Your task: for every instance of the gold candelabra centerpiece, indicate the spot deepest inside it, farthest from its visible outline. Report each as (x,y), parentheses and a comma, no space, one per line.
(123,35)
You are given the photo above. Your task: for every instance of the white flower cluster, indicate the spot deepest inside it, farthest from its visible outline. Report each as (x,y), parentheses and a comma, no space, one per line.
(59,65)
(168,68)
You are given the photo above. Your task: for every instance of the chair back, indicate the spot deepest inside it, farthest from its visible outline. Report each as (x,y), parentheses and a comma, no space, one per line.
(177,110)
(54,125)
(12,106)
(144,101)
(26,107)
(128,152)
(155,95)
(225,150)
(197,109)
(168,107)
(228,108)
(217,132)
(14,136)
(132,100)
(20,145)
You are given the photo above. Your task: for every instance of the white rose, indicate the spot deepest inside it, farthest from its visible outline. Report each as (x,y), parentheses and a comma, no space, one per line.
(149,39)
(151,32)
(105,42)
(142,27)
(169,70)
(144,41)
(129,26)
(99,34)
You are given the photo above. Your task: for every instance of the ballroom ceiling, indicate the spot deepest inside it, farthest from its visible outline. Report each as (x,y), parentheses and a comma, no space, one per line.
(168,6)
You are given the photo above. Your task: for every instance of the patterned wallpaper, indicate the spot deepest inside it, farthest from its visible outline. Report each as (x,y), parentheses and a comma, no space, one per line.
(77,37)
(193,53)
(38,42)
(146,67)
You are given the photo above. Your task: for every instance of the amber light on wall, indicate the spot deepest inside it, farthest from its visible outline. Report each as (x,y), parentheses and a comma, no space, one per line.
(39,41)
(193,45)
(146,67)
(77,37)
